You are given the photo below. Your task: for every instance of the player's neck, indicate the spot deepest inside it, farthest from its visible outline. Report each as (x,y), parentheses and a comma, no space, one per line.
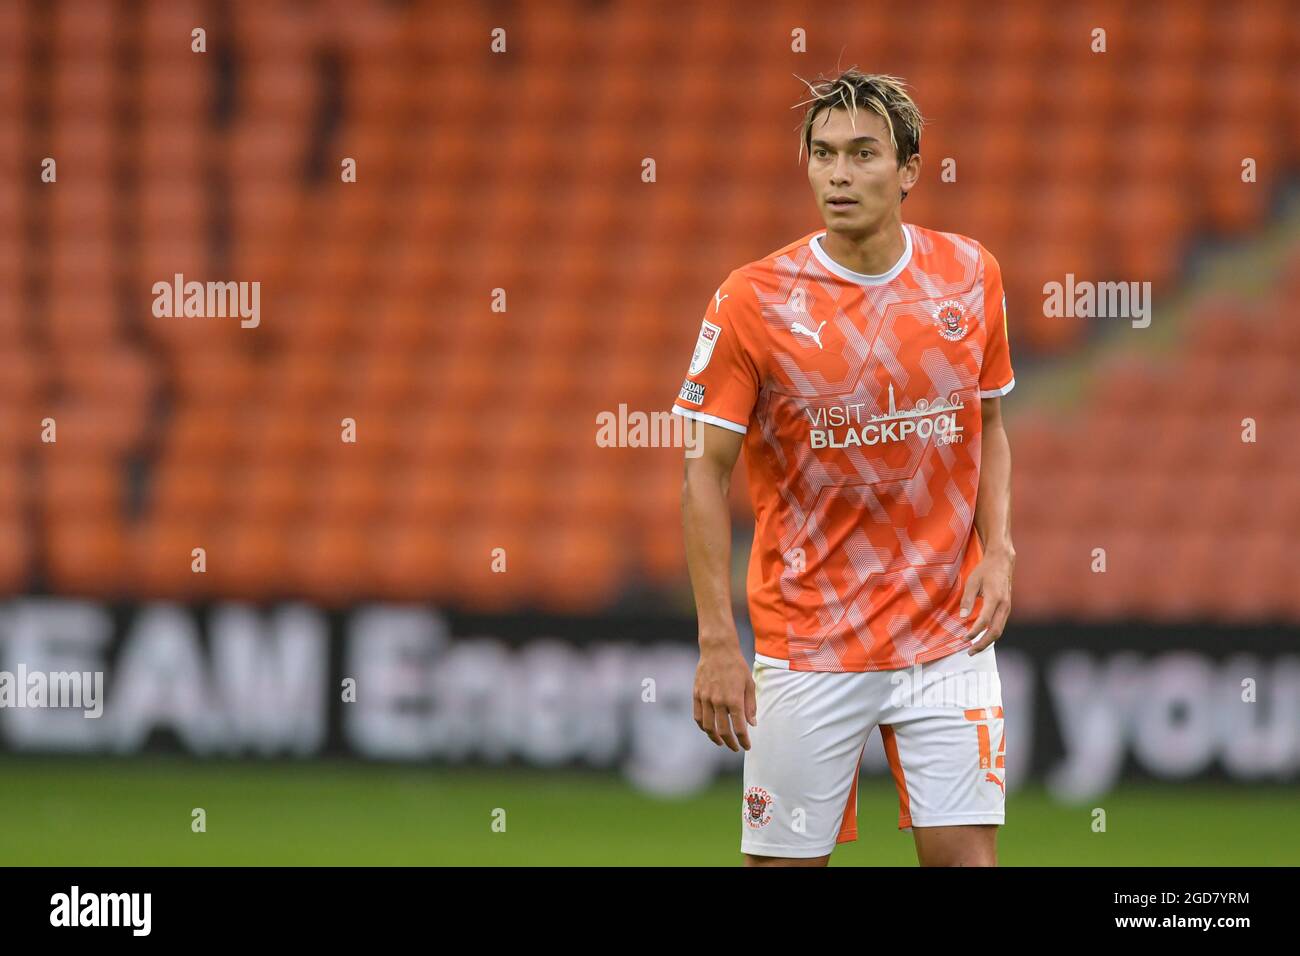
(872,254)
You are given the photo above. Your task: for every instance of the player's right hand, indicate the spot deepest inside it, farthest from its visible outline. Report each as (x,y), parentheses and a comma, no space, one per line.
(724,699)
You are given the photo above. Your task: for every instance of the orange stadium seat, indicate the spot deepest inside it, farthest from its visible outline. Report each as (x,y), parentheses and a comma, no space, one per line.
(88,554)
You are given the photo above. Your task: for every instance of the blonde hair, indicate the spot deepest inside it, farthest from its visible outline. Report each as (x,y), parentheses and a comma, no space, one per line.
(884,95)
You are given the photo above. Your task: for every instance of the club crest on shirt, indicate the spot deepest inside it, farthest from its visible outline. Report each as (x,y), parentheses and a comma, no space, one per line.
(758,808)
(950,320)
(704,346)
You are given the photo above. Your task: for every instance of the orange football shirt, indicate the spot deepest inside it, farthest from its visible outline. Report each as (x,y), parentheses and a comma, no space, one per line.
(859,399)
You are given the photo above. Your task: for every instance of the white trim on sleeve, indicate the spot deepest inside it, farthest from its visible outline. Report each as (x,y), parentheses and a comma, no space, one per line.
(998,392)
(711,419)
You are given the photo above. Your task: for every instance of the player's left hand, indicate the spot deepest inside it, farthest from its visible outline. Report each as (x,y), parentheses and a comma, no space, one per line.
(990,580)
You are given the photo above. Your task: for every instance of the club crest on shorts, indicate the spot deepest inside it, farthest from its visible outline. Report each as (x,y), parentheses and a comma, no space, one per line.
(704,346)
(950,320)
(758,808)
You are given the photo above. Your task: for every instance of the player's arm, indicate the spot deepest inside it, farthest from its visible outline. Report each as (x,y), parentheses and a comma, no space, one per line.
(991,578)
(724,700)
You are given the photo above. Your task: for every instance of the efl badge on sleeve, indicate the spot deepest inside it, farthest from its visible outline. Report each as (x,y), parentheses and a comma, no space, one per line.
(704,347)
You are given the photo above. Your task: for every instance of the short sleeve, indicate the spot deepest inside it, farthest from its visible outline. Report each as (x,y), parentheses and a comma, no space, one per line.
(996,375)
(722,381)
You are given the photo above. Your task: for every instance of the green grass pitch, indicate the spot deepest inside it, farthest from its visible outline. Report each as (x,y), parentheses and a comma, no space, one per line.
(112,813)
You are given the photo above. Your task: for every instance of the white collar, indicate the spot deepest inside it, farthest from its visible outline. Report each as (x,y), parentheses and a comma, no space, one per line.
(860,277)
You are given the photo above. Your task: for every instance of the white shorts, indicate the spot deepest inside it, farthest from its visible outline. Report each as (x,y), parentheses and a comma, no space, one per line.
(942,727)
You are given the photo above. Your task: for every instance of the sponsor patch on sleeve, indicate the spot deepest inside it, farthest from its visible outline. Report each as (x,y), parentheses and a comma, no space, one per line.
(692,392)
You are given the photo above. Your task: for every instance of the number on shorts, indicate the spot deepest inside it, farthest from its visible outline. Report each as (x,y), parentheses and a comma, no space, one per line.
(982,731)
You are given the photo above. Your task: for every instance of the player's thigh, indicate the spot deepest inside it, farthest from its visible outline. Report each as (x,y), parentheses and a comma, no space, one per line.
(802,762)
(946,748)
(970,845)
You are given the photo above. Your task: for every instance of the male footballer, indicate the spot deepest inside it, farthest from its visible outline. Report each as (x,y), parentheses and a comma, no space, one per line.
(862,367)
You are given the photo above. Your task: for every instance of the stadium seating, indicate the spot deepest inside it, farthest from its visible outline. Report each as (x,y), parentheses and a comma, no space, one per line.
(522,172)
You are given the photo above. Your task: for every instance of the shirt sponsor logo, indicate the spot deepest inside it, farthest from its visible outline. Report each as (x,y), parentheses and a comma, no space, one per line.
(692,392)
(844,426)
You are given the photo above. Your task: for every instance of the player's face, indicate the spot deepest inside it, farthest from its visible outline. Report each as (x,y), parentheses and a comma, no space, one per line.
(852,159)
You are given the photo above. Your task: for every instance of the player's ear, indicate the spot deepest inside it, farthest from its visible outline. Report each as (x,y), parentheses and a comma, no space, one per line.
(910,173)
